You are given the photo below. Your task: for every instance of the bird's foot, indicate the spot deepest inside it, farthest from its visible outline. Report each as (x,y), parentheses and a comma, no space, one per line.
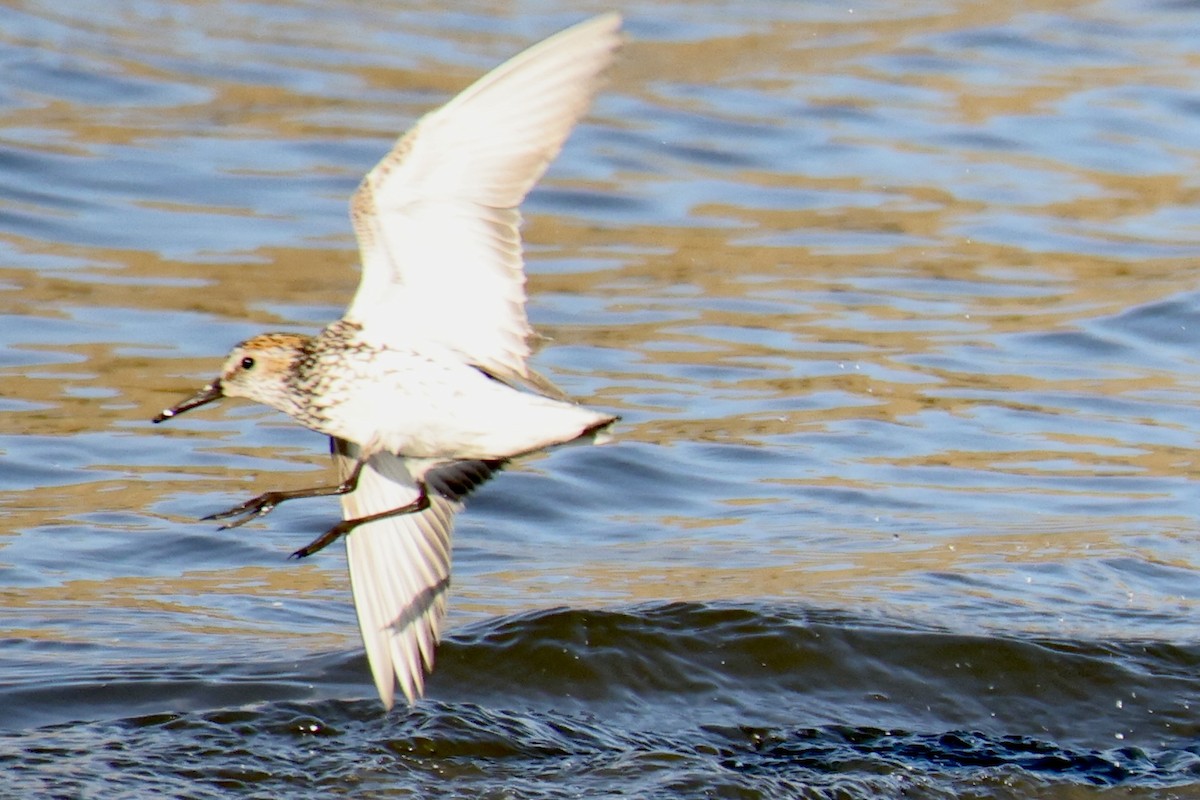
(325,539)
(251,509)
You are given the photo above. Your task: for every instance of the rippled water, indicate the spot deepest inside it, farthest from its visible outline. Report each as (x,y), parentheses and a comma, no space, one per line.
(897,302)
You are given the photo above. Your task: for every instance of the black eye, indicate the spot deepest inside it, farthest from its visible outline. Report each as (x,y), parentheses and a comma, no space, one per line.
(247,363)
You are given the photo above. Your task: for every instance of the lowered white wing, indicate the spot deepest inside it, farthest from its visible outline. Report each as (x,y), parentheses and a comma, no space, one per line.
(400,566)
(437,219)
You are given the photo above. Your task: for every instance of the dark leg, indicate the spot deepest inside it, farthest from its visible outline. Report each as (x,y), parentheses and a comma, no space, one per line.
(265,503)
(342,528)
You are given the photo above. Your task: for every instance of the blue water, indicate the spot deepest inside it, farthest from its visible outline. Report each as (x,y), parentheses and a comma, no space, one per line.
(896,304)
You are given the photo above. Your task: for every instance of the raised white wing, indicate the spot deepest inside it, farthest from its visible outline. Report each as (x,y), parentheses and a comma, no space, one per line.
(400,566)
(437,219)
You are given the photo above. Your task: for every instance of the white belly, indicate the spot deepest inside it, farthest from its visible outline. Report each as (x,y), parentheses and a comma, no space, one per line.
(438,409)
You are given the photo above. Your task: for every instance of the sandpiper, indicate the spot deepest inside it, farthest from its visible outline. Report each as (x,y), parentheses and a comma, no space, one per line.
(423,386)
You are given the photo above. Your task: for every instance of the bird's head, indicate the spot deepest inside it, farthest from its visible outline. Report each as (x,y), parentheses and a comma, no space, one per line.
(257,369)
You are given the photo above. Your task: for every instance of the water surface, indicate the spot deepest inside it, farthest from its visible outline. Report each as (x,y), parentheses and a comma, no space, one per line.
(897,305)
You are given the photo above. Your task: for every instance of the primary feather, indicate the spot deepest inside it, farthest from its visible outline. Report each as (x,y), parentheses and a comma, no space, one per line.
(437,219)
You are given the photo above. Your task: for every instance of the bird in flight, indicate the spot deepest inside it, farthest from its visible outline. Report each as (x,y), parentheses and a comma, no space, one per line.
(424,386)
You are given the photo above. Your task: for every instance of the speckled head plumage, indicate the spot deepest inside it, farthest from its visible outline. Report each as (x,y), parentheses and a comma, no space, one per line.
(258,369)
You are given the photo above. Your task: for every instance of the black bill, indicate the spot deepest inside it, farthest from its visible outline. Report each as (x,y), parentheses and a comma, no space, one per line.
(208,394)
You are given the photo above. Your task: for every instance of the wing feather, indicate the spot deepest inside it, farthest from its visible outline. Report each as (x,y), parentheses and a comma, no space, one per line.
(437,220)
(400,566)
